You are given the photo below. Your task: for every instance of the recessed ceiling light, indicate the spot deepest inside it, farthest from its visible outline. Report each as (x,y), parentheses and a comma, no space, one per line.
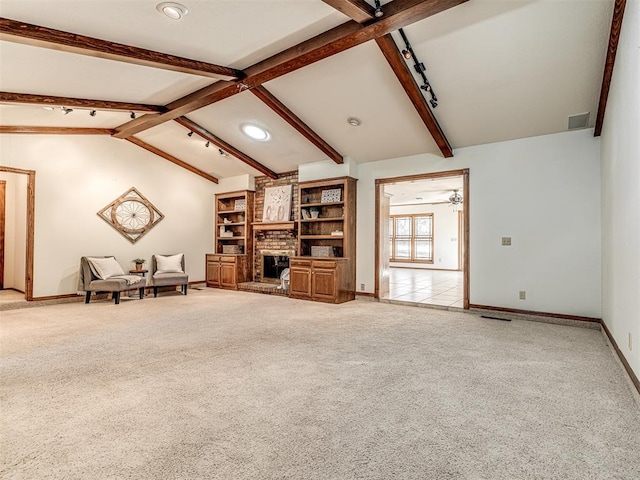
(173,10)
(255,132)
(354,121)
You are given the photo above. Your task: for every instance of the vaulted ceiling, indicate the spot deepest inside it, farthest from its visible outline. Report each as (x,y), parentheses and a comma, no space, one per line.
(501,70)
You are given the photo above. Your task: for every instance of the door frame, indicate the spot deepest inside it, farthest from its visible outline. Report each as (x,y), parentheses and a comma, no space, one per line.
(464,173)
(31,202)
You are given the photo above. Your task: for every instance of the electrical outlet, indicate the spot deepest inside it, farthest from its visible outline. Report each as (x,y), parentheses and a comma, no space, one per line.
(362,287)
(523,295)
(506,241)
(630,341)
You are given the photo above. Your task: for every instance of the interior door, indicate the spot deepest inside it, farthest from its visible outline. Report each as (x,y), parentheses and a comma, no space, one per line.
(384,249)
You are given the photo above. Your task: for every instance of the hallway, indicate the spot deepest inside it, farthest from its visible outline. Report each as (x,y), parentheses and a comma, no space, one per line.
(431,287)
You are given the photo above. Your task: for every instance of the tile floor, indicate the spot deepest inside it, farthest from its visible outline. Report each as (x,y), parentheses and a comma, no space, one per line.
(431,287)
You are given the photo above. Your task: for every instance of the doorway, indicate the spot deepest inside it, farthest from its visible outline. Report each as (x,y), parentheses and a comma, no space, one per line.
(26,238)
(422,239)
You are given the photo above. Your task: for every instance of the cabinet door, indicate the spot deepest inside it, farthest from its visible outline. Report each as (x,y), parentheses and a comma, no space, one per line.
(213,274)
(324,284)
(228,275)
(300,281)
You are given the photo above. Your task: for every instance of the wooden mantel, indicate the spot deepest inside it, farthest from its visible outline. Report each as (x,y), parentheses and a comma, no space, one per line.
(260,226)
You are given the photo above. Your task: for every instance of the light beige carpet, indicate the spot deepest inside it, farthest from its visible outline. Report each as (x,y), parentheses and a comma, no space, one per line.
(235,385)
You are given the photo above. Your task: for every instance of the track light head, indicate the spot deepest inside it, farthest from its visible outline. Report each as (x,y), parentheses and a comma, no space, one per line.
(132,115)
(419,67)
(206,144)
(406,54)
(66,111)
(433,103)
(190,134)
(92,113)
(222,153)
(378,11)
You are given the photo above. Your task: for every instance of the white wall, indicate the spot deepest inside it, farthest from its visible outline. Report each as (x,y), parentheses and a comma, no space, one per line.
(445,234)
(544,192)
(15,242)
(76,176)
(621,194)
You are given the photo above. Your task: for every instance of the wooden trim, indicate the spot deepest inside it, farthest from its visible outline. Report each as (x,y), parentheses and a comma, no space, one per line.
(539,314)
(15,170)
(405,77)
(57,297)
(357,10)
(376,249)
(614,37)
(365,294)
(623,360)
(10,98)
(243,157)
(466,268)
(292,119)
(424,176)
(28,34)
(398,14)
(55,130)
(171,158)
(261,226)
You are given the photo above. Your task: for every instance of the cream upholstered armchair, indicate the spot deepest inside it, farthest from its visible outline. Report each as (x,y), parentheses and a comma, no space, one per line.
(104,274)
(167,271)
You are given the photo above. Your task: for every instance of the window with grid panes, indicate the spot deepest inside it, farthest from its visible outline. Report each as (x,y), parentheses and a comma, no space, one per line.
(411,238)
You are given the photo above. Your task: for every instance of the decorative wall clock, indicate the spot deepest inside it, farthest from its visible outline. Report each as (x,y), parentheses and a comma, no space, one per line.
(131,214)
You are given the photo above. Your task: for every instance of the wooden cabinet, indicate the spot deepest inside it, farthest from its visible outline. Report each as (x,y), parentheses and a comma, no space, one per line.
(325,267)
(233,244)
(321,280)
(226,271)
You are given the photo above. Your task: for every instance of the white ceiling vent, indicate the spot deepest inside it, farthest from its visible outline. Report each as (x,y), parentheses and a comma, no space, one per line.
(581,120)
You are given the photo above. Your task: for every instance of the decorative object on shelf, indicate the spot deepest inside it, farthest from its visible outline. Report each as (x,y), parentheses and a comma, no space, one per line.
(240,205)
(277,204)
(305,213)
(321,251)
(332,195)
(455,200)
(314,212)
(226,234)
(131,214)
(139,262)
(226,220)
(337,233)
(234,249)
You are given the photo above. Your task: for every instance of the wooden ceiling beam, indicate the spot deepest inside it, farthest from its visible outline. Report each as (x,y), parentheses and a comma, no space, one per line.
(9,98)
(614,37)
(357,10)
(408,82)
(398,14)
(171,158)
(28,34)
(56,130)
(210,137)
(292,119)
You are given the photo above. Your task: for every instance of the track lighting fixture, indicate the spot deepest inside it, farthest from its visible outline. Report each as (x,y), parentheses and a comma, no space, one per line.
(223,153)
(66,111)
(206,144)
(419,67)
(92,113)
(378,11)
(133,115)
(190,134)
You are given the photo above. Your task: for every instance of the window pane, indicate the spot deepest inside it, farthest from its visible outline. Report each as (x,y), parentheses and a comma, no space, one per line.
(423,226)
(423,250)
(403,249)
(403,226)
(390,227)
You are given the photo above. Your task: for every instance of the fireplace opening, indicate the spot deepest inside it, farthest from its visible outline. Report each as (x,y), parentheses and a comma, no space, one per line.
(273,264)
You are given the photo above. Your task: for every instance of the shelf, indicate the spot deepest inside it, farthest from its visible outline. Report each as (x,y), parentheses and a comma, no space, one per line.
(259,226)
(320,204)
(322,219)
(229,224)
(220,212)
(231,238)
(321,237)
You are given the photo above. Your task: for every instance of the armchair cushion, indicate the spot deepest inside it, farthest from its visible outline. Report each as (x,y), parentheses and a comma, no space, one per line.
(168,270)
(105,267)
(170,263)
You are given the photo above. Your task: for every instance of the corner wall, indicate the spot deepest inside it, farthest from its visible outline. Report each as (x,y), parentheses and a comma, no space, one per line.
(543,192)
(76,176)
(621,194)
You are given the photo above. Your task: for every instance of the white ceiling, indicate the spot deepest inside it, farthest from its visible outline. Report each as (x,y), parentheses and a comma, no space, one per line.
(502,69)
(427,191)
